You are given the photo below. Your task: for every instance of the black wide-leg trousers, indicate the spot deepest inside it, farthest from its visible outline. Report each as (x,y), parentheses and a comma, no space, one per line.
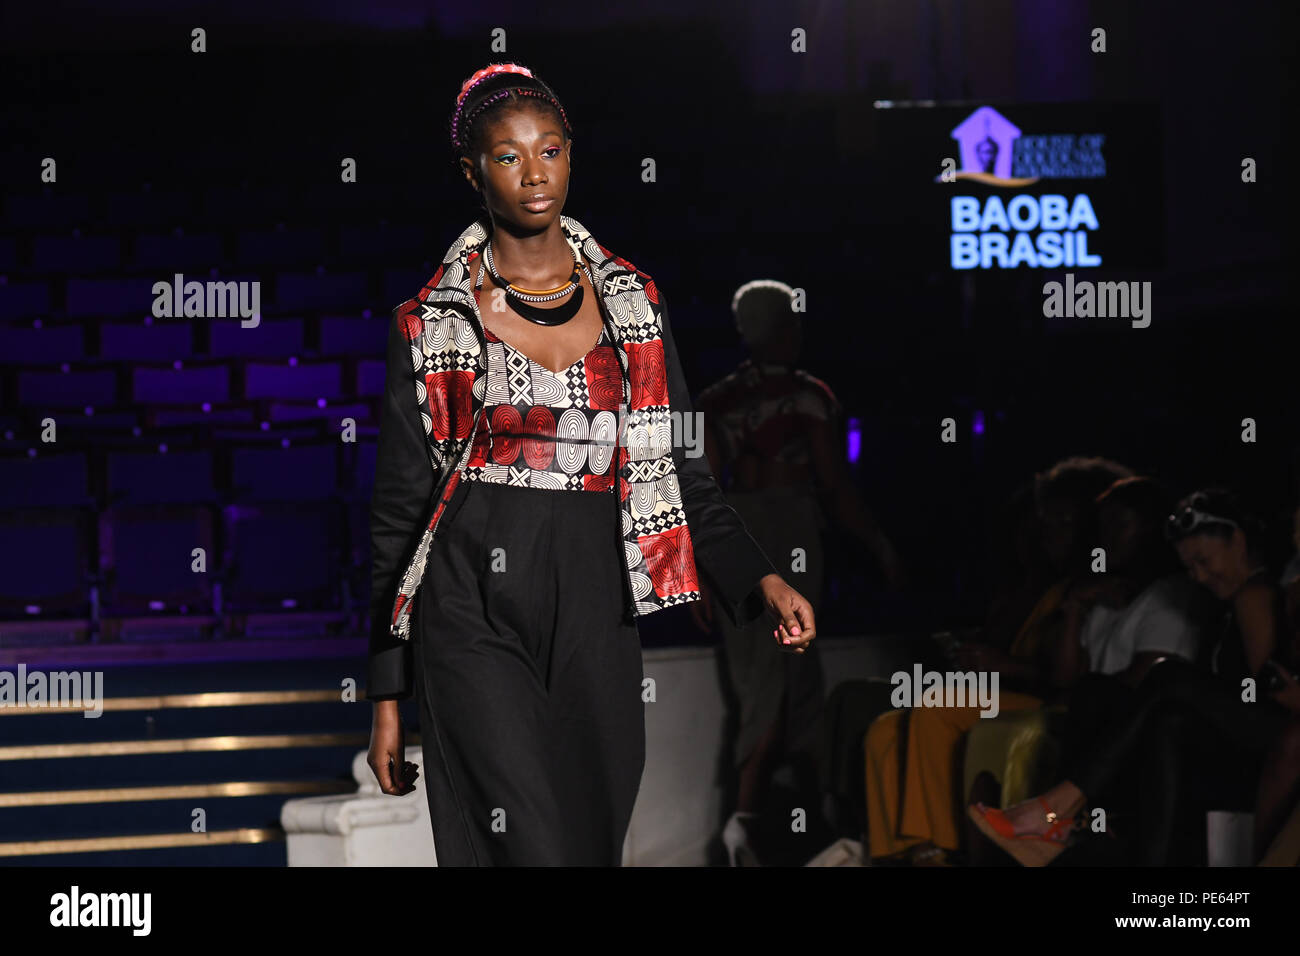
(528,675)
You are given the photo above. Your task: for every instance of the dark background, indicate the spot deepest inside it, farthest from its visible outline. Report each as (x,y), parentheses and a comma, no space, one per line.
(770,164)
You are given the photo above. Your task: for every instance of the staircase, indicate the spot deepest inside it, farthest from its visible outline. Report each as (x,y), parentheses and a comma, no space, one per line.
(194,776)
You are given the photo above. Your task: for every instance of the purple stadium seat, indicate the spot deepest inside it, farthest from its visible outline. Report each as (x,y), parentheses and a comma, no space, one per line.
(111,296)
(381,243)
(50,344)
(172,477)
(101,426)
(47,209)
(287,557)
(75,388)
(358,570)
(281,247)
(299,292)
(331,414)
(160,340)
(270,337)
(304,380)
(44,481)
(352,335)
(146,559)
(370,377)
(363,467)
(402,284)
(239,206)
(236,414)
(262,434)
(150,207)
(24,300)
(76,254)
(52,579)
(171,253)
(300,472)
(188,385)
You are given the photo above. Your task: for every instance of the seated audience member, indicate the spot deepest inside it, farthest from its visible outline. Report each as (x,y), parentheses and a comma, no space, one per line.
(1188,725)
(916,819)
(1141,608)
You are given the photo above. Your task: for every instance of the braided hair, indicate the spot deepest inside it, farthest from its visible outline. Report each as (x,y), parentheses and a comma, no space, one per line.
(489,90)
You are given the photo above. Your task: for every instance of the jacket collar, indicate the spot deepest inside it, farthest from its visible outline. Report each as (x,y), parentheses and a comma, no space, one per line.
(450,289)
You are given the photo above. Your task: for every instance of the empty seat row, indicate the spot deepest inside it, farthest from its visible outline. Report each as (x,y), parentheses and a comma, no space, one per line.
(166,207)
(319,290)
(183,559)
(98,432)
(310,471)
(76,252)
(286,291)
(198,384)
(45,342)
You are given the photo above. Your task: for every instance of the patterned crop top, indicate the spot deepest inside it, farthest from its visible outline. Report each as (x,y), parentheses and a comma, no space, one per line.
(547,430)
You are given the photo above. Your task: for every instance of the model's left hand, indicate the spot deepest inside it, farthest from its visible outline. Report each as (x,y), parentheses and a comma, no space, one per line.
(790,612)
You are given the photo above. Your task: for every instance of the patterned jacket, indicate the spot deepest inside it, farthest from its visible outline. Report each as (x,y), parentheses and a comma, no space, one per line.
(673,513)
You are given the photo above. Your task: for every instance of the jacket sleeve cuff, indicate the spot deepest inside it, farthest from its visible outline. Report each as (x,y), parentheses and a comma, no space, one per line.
(734,577)
(388,674)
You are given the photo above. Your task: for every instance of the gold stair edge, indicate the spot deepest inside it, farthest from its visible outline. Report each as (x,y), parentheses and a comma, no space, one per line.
(144,841)
(118,748)
(232,788)
(177,701)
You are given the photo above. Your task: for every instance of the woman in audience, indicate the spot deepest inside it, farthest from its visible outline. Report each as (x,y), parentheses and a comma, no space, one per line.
(1222,704)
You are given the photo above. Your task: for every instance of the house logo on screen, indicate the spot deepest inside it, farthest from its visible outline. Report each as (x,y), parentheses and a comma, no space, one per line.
(994,151)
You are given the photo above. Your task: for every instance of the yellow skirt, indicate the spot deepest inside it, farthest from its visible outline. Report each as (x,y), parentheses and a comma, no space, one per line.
(924,805)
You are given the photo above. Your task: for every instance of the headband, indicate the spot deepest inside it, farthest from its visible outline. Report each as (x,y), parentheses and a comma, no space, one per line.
(489,71)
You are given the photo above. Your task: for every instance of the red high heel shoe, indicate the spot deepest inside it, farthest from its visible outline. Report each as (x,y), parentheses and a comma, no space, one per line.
(1028,849)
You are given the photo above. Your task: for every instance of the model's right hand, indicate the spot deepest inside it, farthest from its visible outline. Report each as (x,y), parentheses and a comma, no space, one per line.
(387,758)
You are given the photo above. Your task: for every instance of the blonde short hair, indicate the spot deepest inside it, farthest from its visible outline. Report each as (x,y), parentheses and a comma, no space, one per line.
(761,308)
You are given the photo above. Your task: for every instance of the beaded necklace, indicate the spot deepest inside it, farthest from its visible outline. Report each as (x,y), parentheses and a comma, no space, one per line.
(520,299)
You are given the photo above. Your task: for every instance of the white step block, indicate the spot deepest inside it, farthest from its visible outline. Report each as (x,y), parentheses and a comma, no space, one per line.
(366,828)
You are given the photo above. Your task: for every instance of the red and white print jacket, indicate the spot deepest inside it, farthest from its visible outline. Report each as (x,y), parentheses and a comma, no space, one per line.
(673,512)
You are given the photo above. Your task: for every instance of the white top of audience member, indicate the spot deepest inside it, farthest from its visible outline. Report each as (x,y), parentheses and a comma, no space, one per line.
(1171,615)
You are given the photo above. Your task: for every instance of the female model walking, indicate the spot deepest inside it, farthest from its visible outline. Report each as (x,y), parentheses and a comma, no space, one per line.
(529,506)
